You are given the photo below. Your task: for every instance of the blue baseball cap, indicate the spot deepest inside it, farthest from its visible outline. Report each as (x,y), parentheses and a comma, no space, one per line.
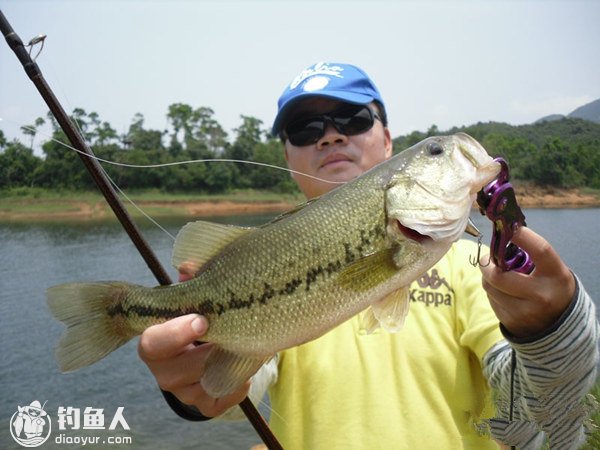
(338,81)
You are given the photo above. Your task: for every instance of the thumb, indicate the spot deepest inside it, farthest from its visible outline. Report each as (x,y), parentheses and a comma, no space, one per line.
(172,337)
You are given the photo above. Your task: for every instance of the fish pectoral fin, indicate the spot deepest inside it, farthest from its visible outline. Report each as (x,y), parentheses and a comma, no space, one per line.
(390,311)
(369,322)
(199,241)
(370,270)
(226,371)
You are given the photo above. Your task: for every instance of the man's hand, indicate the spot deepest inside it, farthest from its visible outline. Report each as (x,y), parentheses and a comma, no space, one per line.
(177,363)
(529,304)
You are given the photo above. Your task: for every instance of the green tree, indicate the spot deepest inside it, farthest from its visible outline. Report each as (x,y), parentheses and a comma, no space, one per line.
(84,123)
(18,165)
(142,139)
(248,135)
(62,167)
(219,177)
(31,130)
(403,142)
(272,153)
(208,135)
(3,141)
(515,150)
(105,134)
(180,118)
(587,162)
(551,166)
(433,130)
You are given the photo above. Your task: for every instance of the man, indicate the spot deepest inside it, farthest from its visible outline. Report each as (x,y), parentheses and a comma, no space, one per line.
(426,386)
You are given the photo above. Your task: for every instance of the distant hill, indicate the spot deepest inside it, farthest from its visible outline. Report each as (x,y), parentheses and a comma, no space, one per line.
(589,111)
(550,118)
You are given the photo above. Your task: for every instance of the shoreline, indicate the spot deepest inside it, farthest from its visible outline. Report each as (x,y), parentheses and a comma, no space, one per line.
(90,210)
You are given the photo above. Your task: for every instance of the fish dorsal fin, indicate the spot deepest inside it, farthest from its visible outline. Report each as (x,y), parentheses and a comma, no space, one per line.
(199,241)
(370,270)
(226,371)
(388,312)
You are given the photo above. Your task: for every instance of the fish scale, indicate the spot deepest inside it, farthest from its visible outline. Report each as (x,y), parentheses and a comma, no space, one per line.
(290,281)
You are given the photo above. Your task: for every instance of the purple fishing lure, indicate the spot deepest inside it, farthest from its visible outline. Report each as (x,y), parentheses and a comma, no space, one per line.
(497,201)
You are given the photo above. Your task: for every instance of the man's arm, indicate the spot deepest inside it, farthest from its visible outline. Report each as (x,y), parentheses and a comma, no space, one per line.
(550,377)
(548,363)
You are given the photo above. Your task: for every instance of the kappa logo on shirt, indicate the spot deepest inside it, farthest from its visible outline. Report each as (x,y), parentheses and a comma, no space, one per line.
(433,290)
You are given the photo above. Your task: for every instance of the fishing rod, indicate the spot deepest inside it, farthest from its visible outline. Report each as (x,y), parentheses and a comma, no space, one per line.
(103,184)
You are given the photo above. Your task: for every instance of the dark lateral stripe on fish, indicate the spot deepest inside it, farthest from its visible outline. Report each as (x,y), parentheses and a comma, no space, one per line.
(208,307)
(163,313)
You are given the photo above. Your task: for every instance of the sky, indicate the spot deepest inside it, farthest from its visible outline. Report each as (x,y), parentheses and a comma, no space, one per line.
(448,63)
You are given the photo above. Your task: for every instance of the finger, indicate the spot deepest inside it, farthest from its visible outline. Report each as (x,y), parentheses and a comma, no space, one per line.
(512,312)
(539,249)
(184,277)
(210,407)
(183,370)
(187,270)
(511,283)
(501,299)
(172,337)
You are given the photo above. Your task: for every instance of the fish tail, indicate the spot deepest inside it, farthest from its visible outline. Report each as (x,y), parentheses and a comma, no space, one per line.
(92,330)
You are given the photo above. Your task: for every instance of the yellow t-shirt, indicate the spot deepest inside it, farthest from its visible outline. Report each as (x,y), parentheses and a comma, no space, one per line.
(421,388)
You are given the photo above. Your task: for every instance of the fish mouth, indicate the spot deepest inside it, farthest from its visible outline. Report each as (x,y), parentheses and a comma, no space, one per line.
(487,173)
(411,234)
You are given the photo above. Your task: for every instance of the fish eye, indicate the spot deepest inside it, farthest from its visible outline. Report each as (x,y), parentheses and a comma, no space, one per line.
(435,149)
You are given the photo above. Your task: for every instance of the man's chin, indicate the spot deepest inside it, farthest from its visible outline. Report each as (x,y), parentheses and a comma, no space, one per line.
(340,171)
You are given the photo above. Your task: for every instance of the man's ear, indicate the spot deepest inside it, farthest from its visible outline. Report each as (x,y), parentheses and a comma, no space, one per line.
(389,146)
(287,160)
(285,153)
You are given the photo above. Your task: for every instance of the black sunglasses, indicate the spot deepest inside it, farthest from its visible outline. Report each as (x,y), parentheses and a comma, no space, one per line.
(348,120)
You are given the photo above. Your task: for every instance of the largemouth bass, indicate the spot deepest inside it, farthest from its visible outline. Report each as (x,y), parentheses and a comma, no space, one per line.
(285,283)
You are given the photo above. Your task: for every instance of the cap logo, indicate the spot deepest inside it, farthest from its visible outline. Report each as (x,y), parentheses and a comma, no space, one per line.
(315,84)
(318,69)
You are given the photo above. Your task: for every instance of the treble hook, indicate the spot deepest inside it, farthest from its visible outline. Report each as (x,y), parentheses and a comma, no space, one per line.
(476,261)
(33,42)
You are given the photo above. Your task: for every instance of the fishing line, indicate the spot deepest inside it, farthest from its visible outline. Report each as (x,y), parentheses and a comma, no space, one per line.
(137,207)
(178,163)
(121,192)
(271,410)
(104,185)
(115,185)
(154,166)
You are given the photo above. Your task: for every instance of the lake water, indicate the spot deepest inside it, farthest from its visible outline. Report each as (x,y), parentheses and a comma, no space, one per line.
(36,256)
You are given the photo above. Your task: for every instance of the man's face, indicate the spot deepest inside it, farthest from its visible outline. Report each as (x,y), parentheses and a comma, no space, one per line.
(335,157)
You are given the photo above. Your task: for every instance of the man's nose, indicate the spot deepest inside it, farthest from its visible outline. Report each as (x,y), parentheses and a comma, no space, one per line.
(330,137)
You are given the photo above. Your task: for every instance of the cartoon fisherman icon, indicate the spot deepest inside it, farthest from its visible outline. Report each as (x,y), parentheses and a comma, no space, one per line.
(30,420)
